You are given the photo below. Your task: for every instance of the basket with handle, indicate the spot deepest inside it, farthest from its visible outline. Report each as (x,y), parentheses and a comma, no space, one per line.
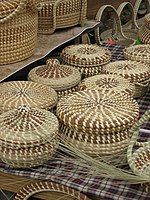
(18,29)
(117,35)
(60,14)
(139,160)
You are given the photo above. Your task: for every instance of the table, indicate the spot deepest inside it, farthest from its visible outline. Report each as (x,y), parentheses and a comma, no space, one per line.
(56,169)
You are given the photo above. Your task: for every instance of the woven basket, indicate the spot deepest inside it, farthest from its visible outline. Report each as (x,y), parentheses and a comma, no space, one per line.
(60,191)
(17,93)
(147,20)
(63,78)
(60,14)
(144,35)
(18,30)
(139,159)
(136,72)
(28,136)
(87,58)
(109,82)
(140,53)
(117,35)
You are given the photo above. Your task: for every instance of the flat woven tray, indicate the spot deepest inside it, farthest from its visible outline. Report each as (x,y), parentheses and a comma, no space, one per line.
(139,53)
(16,93)
(97,112)
(109,82)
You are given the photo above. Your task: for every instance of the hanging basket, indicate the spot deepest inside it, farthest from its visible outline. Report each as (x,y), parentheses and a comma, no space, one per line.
(18,30)
(57,14)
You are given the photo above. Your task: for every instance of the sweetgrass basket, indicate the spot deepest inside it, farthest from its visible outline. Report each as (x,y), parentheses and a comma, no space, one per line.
(57,14)
(59,191)
(18,29)
(139,158)
(144,35)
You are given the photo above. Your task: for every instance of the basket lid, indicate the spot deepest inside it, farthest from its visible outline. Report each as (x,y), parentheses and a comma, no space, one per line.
(109,82)
(16,93)
(86,55)
(134,71)
(138,53)
(26,126)
(96,112)
(58,76)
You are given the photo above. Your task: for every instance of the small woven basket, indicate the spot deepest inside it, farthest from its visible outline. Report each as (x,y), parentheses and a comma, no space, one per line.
(116,34)
(18,29)
(60,14)
(60,191)
(139,159)
(144,35)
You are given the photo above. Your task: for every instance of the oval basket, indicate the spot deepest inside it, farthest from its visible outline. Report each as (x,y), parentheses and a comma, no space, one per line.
(18,25)
(139,159)
(57,14)
(61,191)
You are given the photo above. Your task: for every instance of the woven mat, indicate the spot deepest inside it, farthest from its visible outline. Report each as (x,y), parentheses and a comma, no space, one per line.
(56,169)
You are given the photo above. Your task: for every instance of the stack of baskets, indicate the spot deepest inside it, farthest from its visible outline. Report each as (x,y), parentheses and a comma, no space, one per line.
(28,136)
(63,78)
(136,72)
(144,32)
(18,93)
(89,59)
(60,14)
(18,29)
(97,121)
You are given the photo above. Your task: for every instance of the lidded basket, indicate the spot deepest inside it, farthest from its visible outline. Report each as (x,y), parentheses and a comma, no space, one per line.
(88,58)
(18,29)
(63,78)
(17,93)
(28,136)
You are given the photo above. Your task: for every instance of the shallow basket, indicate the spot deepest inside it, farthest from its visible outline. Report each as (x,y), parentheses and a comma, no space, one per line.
(57,14)
(18,30)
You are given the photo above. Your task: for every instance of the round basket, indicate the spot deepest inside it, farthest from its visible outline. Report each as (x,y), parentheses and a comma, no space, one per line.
(63,78)
(97,112)
(109,82)
(18,25)
(139,159)
(16,93)
(115,35)
(87,58)
(136,72)
(144,35)
(60,191)
(28,136)
(60,14)
(139,53)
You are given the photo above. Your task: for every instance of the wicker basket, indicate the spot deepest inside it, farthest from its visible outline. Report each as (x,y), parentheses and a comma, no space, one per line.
(147,20)
(28,136)
(60,191)
(18,30)
(63,78)
(89,59)
(17,93)
(116,36)
(144,35)
(136,72)
(60,14)
(139,159)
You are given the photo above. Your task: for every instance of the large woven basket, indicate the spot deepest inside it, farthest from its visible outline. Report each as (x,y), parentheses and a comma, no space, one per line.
(139,159)
(18,29)
(60,14)
(57,190)
(116,35)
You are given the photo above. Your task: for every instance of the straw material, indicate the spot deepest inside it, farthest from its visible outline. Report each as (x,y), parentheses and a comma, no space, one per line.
(139,159)
(18,25)
(147,20)
(144,35)
(28,136)
(136,72)
(16,93)
(109,82)
(63,192)
(139,53)
(60,14)
(97,112)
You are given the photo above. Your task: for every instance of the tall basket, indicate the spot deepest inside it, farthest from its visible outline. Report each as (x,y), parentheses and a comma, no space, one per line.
(18,29)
